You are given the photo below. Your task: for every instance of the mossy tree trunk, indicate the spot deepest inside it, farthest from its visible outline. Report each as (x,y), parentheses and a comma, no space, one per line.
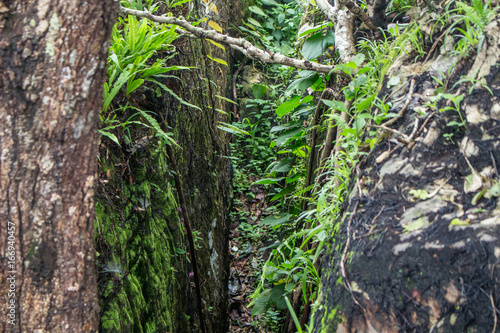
(52,60)
(140,236)
(203,160)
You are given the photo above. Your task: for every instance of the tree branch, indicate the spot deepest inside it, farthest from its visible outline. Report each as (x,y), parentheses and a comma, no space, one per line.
(327,9)
(239,44)
(360,13)
(344,41)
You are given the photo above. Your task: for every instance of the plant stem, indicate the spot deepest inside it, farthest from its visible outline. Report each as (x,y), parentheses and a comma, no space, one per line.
(187,223)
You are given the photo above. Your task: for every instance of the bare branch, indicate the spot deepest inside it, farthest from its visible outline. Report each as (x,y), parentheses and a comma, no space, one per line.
(356,10)
(239,44)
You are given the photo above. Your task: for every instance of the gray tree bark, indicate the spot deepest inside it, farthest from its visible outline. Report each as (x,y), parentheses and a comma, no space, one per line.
(52,60)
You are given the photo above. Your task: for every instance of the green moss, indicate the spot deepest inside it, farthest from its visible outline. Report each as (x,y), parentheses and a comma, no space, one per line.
(140,273)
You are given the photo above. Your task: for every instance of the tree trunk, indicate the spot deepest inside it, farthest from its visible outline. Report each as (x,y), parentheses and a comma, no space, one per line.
(52,60)
(418,249)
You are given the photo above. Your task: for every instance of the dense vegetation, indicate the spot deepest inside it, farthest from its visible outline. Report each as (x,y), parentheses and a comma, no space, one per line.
(298,139)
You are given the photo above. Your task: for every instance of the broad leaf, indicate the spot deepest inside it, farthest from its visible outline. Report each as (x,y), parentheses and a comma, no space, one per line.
(288,106)
(267,181)
(257,10)
(289,189)
(259,90)
(317,44)
(274,220)
(284,165)
(337,105)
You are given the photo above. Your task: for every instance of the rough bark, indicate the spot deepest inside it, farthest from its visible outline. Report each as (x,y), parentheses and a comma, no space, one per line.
(52,58)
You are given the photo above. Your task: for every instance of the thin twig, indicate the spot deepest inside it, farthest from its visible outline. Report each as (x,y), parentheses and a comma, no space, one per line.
(495,319)
(406,139)
(435,45)
(415,129)
(235,93)
(403,86)
(187,223)
(313,144)
(344,259)
(376,216)
(403,109)
(494,163)
(436,191)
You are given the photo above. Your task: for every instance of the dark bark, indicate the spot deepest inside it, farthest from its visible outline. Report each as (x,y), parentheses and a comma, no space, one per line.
(52,60)
(403,263)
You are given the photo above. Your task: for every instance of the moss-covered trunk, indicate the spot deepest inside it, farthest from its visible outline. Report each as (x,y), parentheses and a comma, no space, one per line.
(146,281)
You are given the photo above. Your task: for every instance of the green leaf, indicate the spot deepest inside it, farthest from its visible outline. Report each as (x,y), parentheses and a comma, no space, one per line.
(294,178)
(337,105)
(415,225)
(288,125)
(133,85)
(257,10)
(287,135)
(365,103)
(226,99)
(358,59)
(158,129)
(419,194)
(317,44)
(270,3)
(124,76)
(254,22)
(303,83)
(288,106)
(267,181)
(259,90)
(457,221)
(111,136)
(277,296)
(495,190)
(478,197)
(274,220)
(164,87)
(261,304)
(284,165)
(294,316)
(287,190)
(232,129)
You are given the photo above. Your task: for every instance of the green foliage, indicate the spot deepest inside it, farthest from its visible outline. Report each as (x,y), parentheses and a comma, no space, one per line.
(274,24)
(317,44)
(131,49)
(137,58)
(468,23)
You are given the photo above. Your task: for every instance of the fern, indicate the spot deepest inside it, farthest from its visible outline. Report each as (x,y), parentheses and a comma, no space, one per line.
(159,131)
(341,123)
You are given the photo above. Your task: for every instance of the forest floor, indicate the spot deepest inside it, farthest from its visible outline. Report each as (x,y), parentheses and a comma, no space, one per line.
(247,241)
